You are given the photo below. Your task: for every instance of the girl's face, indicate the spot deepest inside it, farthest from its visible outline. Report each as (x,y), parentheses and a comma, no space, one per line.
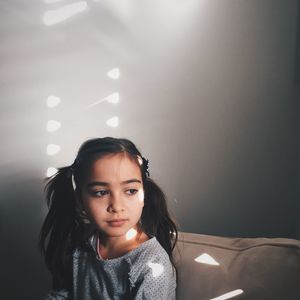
(113,194)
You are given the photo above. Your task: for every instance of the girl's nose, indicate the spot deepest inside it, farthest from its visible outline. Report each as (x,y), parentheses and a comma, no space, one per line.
(116,204)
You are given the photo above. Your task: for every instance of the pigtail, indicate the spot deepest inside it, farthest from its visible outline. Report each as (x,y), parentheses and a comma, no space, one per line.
(156,219)
(60,230)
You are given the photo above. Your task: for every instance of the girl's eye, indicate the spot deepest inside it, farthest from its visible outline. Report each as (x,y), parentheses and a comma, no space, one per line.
(100,193)
(131,191)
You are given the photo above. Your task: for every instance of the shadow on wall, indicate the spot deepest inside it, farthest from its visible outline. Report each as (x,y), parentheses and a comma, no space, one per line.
(21,210)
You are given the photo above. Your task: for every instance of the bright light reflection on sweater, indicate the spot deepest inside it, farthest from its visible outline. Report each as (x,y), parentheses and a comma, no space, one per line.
(229,295)
(157,269)
(206,259)
(131,233)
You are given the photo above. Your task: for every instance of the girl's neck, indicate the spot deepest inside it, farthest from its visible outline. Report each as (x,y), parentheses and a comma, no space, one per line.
(113,247)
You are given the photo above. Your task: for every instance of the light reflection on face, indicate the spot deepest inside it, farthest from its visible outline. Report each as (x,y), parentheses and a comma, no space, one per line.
(131,233)
(113,191)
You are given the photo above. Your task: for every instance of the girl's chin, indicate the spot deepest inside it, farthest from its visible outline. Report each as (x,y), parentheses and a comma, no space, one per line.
(114,229)
(127,232)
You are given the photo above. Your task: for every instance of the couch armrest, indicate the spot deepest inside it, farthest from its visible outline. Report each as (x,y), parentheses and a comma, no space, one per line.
(256,268)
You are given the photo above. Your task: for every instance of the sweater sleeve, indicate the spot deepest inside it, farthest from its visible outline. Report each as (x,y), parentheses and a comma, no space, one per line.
(58,295)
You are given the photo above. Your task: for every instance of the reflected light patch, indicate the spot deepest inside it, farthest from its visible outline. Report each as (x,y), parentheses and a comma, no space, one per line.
(53,125)
(53,101)
(113,98)
(172,233)
(52,1)
(140,160)
(52,17)
(114,73)
(113,122)
(131,233)
(51,171)
(229,295)
(206,259)
(52,149)
(157,269)
(141,195)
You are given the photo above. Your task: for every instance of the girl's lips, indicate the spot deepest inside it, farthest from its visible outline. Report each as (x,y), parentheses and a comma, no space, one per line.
(116,223)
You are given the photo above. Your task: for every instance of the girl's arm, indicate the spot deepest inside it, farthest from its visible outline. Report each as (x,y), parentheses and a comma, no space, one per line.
(58,295)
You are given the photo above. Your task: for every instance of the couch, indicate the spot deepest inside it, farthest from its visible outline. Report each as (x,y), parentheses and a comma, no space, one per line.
(217,268)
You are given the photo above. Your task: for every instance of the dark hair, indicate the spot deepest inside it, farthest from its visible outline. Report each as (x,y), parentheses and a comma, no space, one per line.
(66,228)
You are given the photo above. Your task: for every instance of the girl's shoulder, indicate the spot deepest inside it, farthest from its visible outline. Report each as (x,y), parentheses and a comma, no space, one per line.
(149,248)
(149,251)
(149,258)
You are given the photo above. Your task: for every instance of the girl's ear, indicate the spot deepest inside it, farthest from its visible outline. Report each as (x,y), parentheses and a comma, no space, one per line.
(79,203)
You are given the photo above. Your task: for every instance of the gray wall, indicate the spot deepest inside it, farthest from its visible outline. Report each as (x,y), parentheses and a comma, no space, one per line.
(297,92)
(208,92)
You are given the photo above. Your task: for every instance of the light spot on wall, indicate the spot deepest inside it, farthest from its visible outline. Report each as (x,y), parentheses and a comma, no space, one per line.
(113,98)
(52,17)
(52,1)
(53,125)
(113,122)
(53,149)
(52,101)
(114,73)
(51,171)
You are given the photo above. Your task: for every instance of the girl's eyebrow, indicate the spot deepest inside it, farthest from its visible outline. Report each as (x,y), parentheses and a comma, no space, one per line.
(102,183)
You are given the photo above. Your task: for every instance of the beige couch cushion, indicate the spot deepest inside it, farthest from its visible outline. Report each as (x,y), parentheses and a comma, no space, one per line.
(254,268)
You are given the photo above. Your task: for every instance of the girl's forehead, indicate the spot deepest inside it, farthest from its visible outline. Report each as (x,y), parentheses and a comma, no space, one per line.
(114,166)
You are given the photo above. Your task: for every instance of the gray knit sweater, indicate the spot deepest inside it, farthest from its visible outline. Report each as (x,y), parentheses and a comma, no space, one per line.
(143,273)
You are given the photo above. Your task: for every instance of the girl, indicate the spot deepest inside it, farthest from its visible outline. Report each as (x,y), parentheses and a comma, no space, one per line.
(108,233)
